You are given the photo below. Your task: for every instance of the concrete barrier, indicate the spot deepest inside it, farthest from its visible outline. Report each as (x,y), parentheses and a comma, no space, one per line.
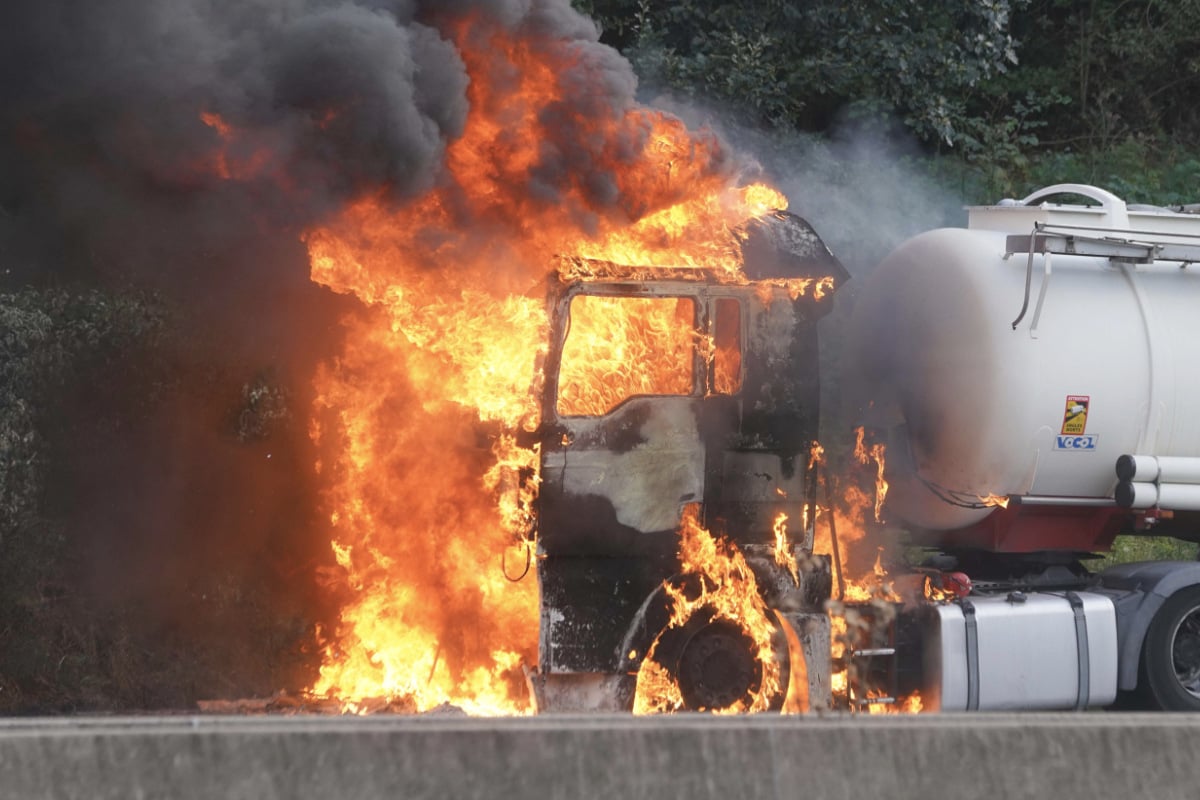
(1058,756)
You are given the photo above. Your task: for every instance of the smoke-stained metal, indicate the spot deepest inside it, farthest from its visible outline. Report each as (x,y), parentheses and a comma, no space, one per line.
(613,485)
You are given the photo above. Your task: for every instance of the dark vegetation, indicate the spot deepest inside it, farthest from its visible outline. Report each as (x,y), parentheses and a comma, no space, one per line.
(1001,96)
(129,579)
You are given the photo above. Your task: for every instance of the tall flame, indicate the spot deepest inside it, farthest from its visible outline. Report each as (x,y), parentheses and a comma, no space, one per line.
(865,588)
(876,454)
(430,492)
(784,556)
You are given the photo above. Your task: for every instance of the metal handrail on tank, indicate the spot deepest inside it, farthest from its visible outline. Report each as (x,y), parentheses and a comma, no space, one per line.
(1142,247)
(1113,206)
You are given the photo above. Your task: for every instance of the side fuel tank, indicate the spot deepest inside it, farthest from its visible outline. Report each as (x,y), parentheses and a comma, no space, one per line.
(1042,652)
(1022,355)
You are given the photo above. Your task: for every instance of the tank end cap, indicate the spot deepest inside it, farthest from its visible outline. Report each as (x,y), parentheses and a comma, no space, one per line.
(1126,468)
(1130,494)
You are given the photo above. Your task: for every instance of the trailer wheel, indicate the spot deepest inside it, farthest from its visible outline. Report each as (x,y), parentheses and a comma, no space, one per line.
(1170,668)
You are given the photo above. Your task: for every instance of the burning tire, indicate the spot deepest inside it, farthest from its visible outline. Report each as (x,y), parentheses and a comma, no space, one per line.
(709,664)
(1170,669)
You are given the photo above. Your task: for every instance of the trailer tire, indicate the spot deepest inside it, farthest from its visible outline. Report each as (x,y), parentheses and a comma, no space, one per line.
(1169,677)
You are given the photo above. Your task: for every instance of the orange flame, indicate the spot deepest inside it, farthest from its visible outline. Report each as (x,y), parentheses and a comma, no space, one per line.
(862,586)
(784,556)
(217,123)
(236,159)
(662,238)
(621,347)
(995,500)
(429,492)
(876,454)
(935,593)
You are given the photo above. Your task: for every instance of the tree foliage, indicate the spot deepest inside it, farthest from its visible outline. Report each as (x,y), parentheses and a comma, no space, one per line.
(53,344)
(1104,93)
(804,64)
(1005,95)
(1126,69)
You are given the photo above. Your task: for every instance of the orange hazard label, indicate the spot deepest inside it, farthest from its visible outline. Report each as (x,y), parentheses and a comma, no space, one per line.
(1075,417)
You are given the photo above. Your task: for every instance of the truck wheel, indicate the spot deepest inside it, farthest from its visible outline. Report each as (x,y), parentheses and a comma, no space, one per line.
(1170,669)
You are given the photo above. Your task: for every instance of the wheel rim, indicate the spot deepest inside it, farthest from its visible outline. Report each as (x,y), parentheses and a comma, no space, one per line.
(718,667)
(1185,652)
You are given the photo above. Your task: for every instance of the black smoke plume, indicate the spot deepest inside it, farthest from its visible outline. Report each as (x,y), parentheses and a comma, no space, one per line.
(181,473)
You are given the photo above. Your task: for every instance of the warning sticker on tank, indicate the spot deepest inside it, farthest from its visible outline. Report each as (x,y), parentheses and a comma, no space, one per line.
(1075,417)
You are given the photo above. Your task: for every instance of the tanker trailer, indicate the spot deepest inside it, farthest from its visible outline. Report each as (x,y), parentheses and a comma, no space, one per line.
(1034,378)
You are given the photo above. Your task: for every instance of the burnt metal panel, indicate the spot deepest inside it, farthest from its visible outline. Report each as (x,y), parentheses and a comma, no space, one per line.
(588,605)
(783,245)
(757,467)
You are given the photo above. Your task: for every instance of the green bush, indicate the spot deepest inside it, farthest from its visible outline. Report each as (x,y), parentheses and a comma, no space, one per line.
(1127,549)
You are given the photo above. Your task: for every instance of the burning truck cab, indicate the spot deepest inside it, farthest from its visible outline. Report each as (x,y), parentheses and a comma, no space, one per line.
(679,396)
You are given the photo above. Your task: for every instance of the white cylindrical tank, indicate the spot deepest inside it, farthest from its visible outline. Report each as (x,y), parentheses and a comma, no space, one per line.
(970,406)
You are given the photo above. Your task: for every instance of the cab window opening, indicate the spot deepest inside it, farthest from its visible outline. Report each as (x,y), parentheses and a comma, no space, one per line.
(727,346)
(617,347)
